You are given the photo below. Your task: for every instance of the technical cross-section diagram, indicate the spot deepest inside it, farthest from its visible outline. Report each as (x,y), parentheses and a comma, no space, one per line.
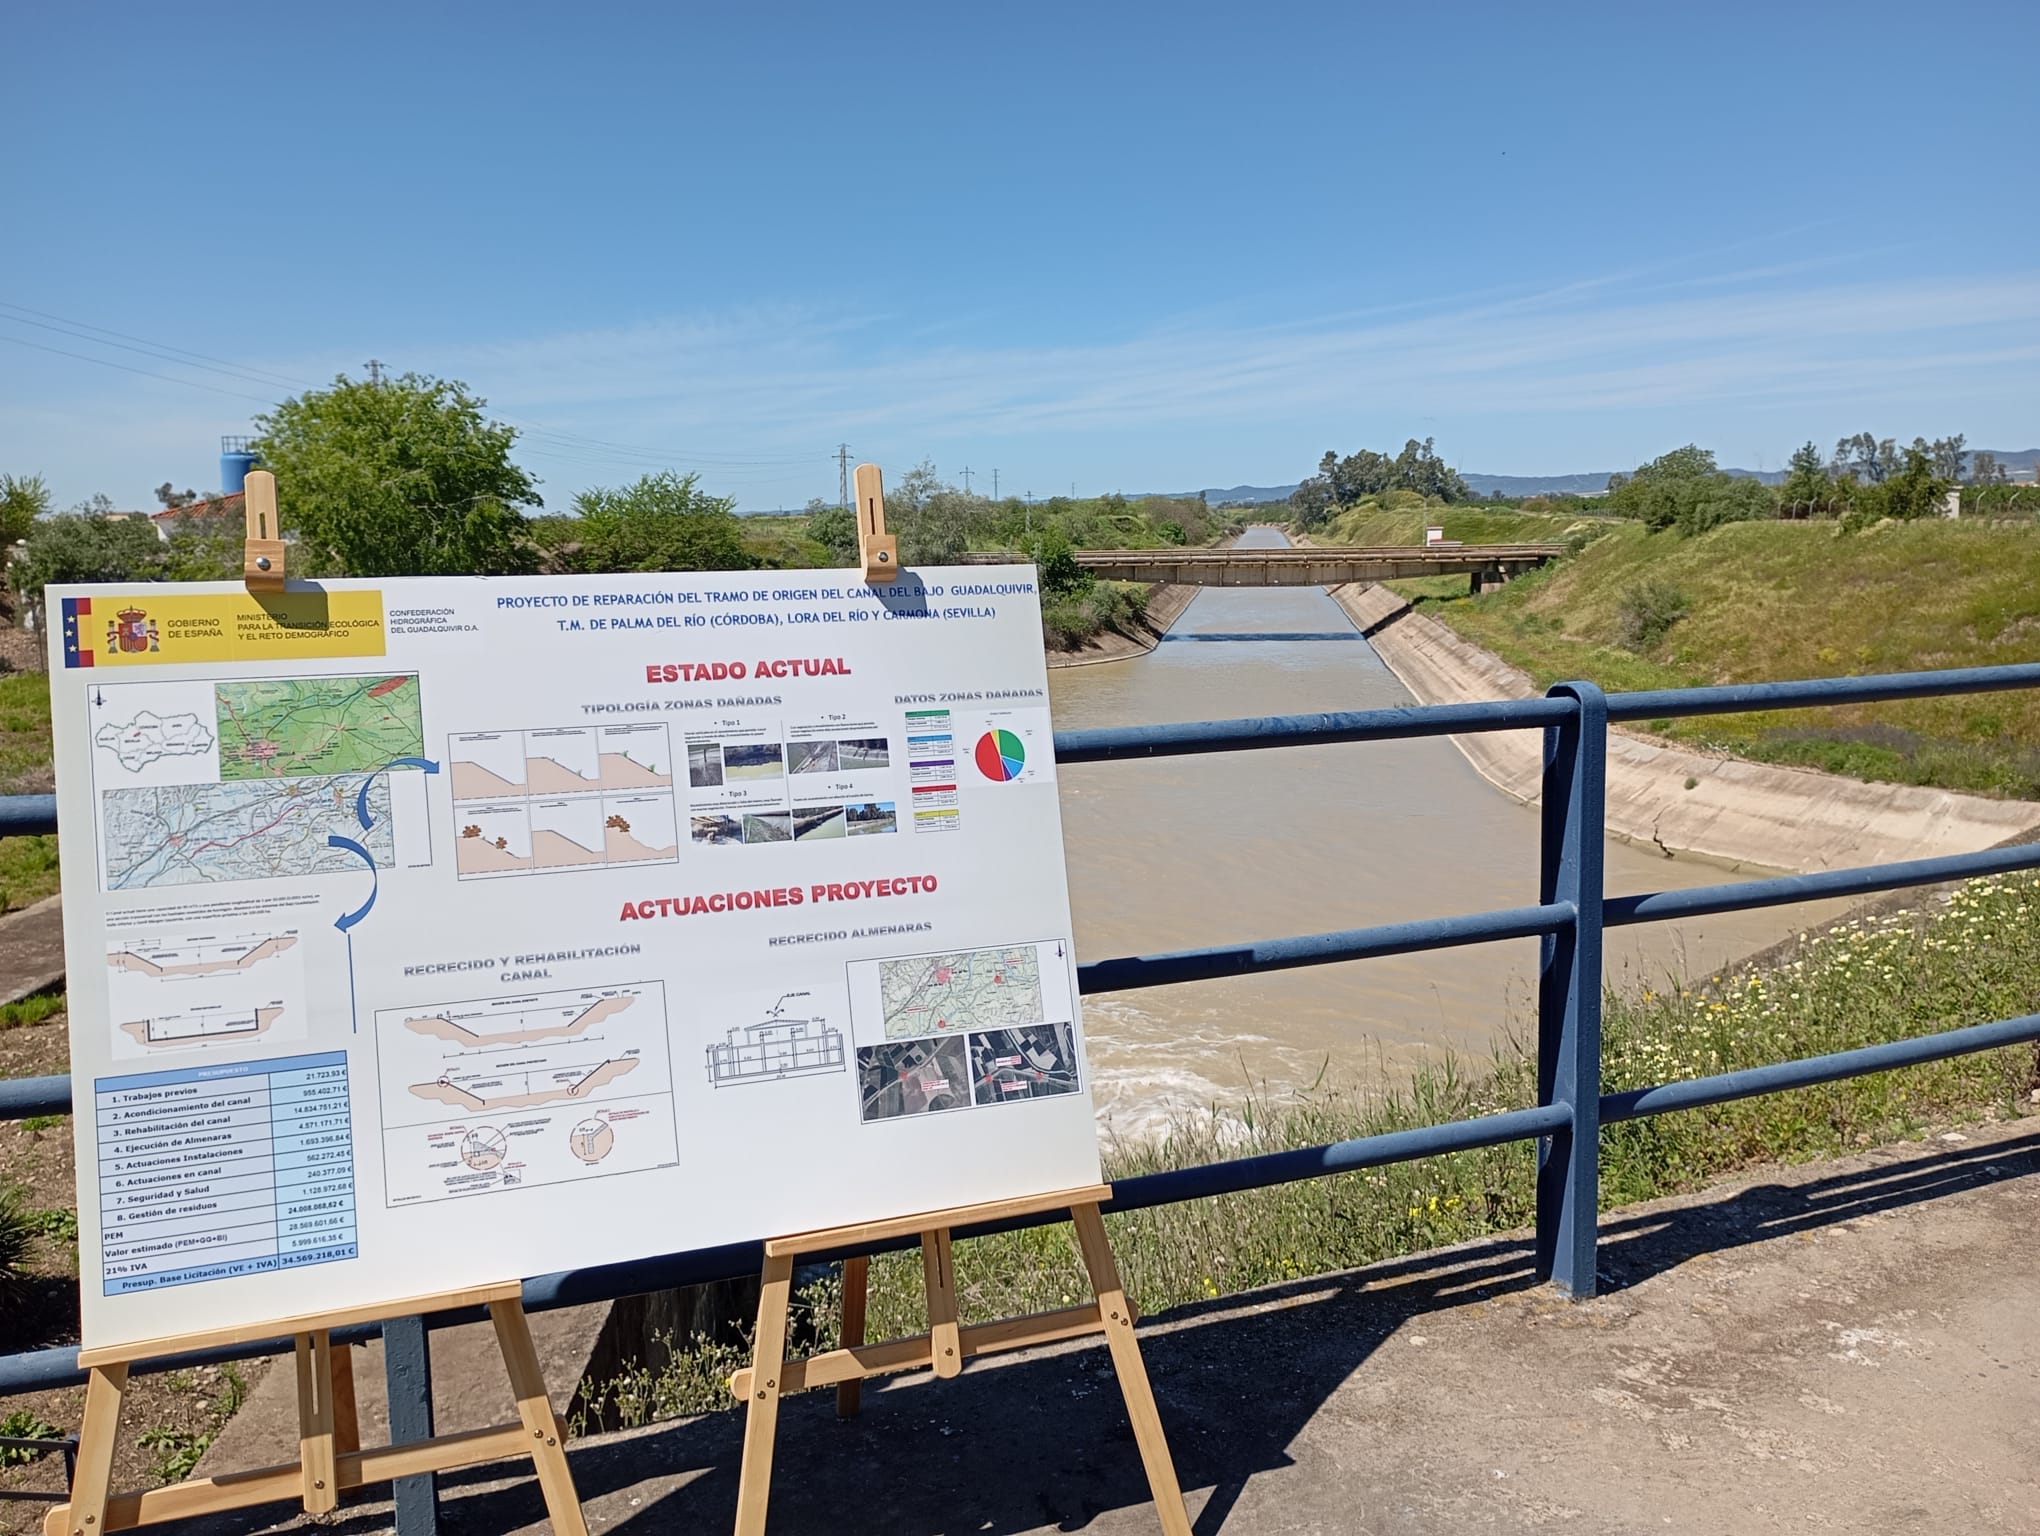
(792,1040)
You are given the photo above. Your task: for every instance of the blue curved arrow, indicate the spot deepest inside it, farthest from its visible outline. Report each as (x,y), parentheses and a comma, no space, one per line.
(361,800)
(347,922)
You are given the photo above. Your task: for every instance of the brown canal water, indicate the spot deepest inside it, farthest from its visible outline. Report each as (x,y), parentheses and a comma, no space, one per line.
(1184,851)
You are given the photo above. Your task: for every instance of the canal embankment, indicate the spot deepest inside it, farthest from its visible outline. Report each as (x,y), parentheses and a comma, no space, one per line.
(1165,604)
(1679,800)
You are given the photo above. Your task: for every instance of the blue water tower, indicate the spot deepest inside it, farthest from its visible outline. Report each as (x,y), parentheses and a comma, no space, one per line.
(236,459)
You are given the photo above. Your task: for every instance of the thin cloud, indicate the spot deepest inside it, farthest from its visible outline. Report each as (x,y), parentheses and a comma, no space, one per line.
(794,376)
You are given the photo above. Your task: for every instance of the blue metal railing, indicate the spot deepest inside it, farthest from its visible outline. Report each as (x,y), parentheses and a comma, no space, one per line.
(1569,918)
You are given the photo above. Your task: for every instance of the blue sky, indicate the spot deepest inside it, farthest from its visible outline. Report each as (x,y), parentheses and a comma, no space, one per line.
(1116,246)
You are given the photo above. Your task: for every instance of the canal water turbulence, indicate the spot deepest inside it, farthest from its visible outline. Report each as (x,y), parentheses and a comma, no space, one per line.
(1176,852)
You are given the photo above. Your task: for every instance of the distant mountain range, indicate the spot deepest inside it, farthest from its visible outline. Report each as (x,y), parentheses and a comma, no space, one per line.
(2020,462)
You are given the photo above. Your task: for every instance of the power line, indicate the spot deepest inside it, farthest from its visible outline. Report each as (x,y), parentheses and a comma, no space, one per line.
(145,373)
(966,479)
(254,375)
(374,367)
(843,476)
(995,485)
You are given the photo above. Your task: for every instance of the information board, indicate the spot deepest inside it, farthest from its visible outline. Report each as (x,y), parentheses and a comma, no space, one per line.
(433,932)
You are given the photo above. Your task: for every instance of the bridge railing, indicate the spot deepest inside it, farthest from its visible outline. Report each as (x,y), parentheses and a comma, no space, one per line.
(1570,916)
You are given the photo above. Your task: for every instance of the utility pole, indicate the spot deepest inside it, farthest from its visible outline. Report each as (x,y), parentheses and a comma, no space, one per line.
(374,373)
(995,485)
(966,479)
(843,476)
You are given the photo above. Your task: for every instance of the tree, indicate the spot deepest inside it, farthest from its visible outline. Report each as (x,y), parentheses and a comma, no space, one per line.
(1945,453)
(401,478)
(1312,504)
(1809,490)
(80,546)
(1984,469)
(1866,457)
(1055,563)
(1417,468)
(1364,473)
(173,499)
(1683,489)
(1918,489)
(834,528)
(23,499)
(663,522)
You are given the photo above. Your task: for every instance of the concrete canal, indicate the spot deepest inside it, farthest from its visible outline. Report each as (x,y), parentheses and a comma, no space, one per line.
(1185,851)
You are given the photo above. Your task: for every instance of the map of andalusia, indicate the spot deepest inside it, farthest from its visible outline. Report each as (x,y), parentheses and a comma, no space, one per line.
(254,829)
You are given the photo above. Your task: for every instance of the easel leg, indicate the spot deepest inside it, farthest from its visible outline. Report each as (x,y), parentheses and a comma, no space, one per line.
(856,1279)
(938,1266)
(761,1417)
(86,1513)
(1133,1379)
(346,1416)
(315,1422)
(534,1407)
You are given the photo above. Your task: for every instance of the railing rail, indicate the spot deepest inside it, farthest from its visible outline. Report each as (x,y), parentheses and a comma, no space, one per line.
(1569,919)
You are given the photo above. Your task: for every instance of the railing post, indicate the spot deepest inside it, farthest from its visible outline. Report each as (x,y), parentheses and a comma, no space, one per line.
(407,1370)
(1569,991)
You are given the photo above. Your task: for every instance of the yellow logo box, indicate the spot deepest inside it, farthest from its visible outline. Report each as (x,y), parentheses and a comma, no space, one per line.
(160,625)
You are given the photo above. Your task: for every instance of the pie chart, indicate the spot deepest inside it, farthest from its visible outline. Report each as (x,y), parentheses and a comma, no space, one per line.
(1001,755)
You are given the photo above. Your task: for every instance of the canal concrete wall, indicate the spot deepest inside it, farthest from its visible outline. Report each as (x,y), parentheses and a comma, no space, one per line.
(1678,800)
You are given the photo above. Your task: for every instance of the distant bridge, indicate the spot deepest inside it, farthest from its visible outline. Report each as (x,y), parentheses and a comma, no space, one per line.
(1486,564)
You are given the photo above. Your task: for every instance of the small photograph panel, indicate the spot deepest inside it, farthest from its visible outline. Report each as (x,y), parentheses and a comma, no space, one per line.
(913,1077)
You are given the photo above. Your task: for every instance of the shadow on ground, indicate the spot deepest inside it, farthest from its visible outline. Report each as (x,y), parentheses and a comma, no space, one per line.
(1041,1442)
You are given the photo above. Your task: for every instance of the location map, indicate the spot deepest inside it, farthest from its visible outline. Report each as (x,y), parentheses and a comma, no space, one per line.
(279,727)
(978,989)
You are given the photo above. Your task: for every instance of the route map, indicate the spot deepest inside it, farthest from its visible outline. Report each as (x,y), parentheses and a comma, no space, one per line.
(187,834)
(944,994)
(281,727)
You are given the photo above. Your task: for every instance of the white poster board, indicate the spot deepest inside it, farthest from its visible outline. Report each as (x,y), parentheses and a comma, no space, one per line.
(433,932)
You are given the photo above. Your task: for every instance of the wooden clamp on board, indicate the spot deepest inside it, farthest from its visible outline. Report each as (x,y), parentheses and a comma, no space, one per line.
(262,553)
(948,1342)
(877,551)
(330,1457)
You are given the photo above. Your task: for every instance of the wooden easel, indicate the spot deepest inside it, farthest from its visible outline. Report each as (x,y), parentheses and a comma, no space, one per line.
(947,1343)
(877,551)
(262,544)
(330,1458)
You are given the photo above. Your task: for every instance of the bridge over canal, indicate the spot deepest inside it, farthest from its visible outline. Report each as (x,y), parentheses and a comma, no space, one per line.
(1320,566)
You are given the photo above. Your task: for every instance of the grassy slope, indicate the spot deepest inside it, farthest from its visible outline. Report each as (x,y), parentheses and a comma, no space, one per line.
(28,865)
(1469,525)
(1781,600)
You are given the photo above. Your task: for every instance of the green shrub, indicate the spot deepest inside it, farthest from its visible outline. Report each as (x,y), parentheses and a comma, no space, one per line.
(1648,610)
(24,1425)
(18,1229)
